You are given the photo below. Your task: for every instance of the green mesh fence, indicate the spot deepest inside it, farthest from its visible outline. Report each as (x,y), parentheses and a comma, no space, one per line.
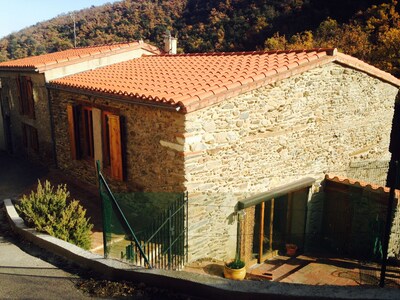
(146,229)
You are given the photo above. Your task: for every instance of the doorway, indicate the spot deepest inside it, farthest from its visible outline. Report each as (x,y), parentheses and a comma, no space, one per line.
(5,110)
(279,221)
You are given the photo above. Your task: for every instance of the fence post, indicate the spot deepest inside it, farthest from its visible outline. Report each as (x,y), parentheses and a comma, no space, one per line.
(103,213)
(186,199)
(388,224)
(169,238)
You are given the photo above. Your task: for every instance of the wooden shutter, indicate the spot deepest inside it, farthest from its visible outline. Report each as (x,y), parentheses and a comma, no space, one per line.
(29,98)
(72,130)
(25,96)
(114,124)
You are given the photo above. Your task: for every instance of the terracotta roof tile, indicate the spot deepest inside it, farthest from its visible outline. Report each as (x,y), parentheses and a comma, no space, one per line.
(71,55)
(360,183)
(187,80)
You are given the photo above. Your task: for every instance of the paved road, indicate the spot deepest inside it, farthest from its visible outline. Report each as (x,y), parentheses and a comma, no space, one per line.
(24,274)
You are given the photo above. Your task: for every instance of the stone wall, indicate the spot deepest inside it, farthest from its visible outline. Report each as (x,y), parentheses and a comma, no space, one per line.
(149,164)
(375,171)
(321,120)
(42,117)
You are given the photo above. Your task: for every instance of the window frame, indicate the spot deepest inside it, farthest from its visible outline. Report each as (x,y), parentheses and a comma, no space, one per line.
(105,135)
(85,128)
(80,128)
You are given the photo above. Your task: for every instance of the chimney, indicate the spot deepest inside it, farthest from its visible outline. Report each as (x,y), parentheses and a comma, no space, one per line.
(169,43)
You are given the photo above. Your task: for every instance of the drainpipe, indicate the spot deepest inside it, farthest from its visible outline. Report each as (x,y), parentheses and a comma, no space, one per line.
(53,140)
(394,145)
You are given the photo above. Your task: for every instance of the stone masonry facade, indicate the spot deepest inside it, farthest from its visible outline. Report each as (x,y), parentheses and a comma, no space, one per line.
(309,124)
(150,166)
(41,122)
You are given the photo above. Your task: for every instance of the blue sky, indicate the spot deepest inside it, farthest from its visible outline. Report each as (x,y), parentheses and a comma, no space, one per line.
(18,14)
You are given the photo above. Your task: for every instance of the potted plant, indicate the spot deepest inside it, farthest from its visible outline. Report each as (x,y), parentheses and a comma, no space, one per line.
(291,249)
(235,269)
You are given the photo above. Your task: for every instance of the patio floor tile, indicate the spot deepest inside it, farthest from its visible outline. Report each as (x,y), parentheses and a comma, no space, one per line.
(322,270)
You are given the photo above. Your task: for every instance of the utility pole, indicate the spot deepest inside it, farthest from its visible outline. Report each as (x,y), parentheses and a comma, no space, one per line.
(72,15)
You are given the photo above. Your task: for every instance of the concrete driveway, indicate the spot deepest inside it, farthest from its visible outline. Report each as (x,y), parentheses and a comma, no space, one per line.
(26,271)
(16,175)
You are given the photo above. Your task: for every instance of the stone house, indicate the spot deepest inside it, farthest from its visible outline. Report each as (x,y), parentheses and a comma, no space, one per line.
(25,120)
(249,135)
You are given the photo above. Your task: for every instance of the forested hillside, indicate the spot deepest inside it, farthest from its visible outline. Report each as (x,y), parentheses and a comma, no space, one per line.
(367,29)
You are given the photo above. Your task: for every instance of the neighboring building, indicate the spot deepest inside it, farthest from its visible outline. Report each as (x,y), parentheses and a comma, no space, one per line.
(26,125)
(251,132)
(2,140)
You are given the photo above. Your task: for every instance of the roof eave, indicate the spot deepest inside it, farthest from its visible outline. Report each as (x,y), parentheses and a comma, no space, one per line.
(55,65)
(121,98)
(357,64)
(42,68)
(19,70)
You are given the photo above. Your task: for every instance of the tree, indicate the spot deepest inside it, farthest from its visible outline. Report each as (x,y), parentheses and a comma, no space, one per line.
(277,42)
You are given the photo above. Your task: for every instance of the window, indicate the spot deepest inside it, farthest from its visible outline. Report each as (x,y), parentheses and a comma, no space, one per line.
(80,129)
(30,137)
(26,102)
(81,133)
(105,131)
(86,133)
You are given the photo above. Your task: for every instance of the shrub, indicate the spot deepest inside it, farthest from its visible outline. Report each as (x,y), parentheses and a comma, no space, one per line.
(236,264)
(48,211)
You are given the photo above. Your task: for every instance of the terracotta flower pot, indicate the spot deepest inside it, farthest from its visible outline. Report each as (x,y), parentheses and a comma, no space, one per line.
(235,274)
(291,249)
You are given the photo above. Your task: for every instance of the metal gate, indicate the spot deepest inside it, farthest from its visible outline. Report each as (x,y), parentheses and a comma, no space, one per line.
(165,242)
(159,242)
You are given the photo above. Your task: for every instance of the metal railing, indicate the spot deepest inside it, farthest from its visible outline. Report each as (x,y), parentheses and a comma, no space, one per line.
(107,195)
(146,229)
